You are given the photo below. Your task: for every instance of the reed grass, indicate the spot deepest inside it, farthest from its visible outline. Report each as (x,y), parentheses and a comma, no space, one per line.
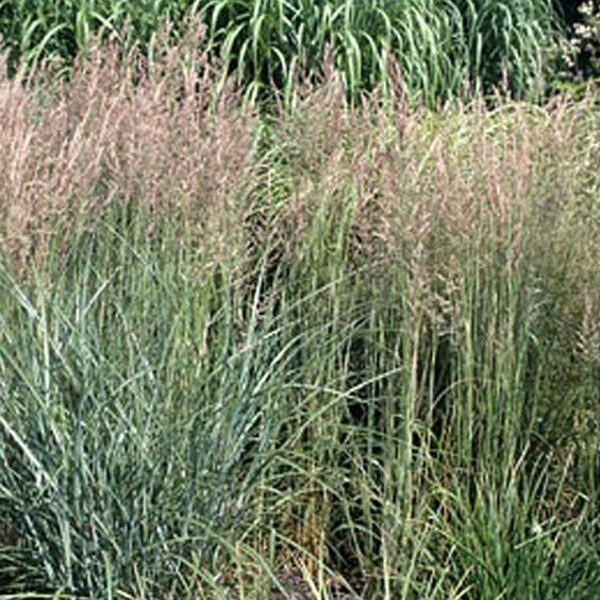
(348,352)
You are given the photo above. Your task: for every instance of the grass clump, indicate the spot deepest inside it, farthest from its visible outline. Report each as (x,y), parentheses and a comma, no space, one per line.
(349,352)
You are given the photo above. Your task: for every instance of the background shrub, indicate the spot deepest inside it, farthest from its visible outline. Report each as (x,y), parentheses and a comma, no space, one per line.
(443,48)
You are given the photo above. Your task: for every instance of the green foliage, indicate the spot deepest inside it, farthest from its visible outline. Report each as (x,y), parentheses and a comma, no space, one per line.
(33,29)
(442,49)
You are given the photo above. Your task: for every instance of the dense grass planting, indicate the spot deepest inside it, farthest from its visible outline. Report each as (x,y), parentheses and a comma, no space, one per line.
(345,352)
(444,49)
